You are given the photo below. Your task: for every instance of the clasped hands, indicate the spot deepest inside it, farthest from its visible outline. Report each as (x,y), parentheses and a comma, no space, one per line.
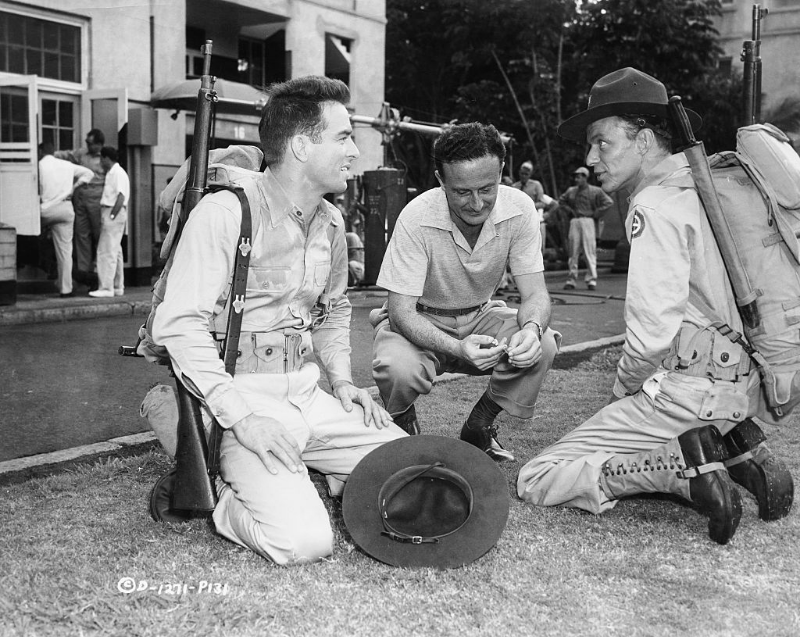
(484,352)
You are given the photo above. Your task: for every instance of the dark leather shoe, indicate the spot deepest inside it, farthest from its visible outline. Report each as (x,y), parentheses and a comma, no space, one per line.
(756,468)
(407,421)
(485,438)
(711,488)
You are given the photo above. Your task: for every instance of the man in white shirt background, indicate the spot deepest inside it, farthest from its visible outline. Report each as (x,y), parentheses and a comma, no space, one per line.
(57,181)
(113,217)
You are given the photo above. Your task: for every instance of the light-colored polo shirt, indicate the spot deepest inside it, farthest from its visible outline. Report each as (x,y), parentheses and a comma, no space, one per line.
(429,258)
(116,182)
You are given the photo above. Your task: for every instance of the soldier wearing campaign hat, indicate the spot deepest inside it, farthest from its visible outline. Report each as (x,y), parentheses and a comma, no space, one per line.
(678,420)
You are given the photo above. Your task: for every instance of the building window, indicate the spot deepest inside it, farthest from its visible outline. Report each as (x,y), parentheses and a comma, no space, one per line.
(32,46)
(222,67)
(250,64)
(58,123)
(13,118)
(337,57)
(262,62)
(725,66)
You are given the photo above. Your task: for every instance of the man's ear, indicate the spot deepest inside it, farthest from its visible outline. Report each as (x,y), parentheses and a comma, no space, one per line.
(299,146)
(439,178)
(645,140)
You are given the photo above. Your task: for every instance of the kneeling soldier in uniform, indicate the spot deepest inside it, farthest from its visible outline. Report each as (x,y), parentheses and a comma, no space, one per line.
(277,420)
(678,421)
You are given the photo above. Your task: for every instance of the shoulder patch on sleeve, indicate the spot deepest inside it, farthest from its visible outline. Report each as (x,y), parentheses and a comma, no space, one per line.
(637,224)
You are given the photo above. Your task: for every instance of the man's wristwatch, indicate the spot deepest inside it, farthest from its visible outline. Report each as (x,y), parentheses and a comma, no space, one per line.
(539,329)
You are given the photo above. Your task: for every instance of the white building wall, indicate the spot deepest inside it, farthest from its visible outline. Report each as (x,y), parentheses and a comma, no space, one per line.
(305,38)
(118,52)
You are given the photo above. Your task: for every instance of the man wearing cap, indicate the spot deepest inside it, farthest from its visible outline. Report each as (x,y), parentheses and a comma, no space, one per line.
(446,257)
(584,204)
(678,421)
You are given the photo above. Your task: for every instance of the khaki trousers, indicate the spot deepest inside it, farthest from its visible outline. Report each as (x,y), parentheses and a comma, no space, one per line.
(282,517)
(403,371)
(582,237)
(60,220)
(110,266)
(669,404)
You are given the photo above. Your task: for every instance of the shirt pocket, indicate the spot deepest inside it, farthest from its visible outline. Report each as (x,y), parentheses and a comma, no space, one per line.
(321,273)
(723,402)
(274,279)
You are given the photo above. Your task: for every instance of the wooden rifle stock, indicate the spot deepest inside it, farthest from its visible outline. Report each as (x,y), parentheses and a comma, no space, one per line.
(696,154)
(193,488)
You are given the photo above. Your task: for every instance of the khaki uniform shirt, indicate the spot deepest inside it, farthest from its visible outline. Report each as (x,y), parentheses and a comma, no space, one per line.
(294,256)
(672,253)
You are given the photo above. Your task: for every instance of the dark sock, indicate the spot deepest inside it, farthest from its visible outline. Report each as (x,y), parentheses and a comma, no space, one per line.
(484,412)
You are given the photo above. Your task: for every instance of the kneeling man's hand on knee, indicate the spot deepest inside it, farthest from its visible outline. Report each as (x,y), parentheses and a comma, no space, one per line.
(374,414)
(270,441)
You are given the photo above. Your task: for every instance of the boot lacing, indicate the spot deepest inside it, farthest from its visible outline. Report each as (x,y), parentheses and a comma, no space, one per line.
(660,465)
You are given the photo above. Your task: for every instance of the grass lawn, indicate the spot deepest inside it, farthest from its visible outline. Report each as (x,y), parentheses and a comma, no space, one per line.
(645,568)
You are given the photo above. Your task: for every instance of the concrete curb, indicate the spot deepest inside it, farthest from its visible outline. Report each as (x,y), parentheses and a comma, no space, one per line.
(74,311)
(30,466)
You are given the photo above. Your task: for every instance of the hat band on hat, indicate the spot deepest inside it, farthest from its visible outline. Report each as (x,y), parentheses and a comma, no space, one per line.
(403,478)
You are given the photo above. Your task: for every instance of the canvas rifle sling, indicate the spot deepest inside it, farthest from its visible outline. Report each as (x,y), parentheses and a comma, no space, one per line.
(230,349)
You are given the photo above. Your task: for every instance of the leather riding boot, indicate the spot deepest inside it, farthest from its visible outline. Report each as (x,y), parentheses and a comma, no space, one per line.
(691,466)
(756,468)
(407,421)
(484,436)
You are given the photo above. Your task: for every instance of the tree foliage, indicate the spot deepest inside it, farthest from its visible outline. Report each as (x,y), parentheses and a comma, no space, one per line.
(525,65)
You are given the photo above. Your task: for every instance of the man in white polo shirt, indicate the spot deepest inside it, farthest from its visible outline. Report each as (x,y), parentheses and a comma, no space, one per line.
(113,219)
(447,255)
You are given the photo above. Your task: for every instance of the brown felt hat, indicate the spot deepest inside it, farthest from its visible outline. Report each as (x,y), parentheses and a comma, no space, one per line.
(623,92)
(426,501)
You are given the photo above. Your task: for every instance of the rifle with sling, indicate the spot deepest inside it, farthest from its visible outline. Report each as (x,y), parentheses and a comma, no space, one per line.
(188,488)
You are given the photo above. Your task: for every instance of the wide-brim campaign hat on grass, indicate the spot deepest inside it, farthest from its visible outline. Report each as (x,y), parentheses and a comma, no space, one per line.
(623,92)
(426,501)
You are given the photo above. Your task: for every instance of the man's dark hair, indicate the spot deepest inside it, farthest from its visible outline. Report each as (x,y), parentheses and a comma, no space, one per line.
(110,152)
(295,108)
(661,127)
(47,148)
(97,135)
(465,142)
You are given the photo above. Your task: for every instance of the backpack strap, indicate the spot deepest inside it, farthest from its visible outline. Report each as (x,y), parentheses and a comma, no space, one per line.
(230,349)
